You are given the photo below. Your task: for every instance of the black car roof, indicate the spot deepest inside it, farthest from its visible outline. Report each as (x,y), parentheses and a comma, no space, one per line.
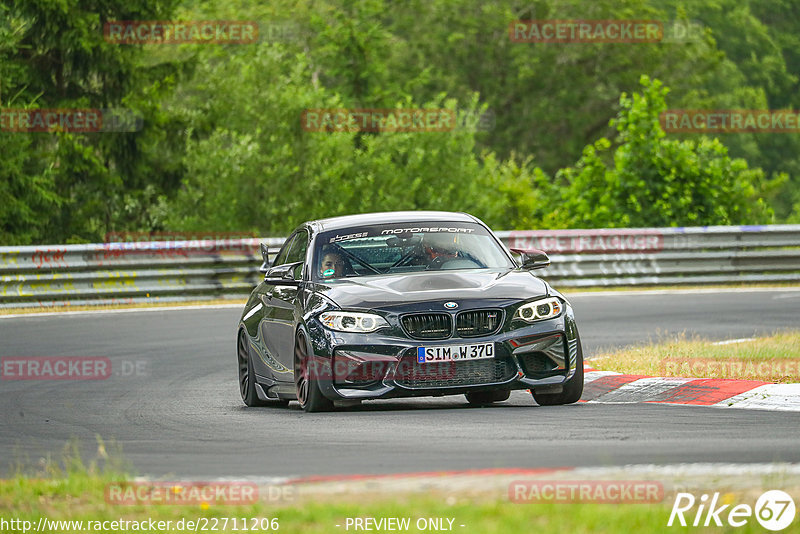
(347,221)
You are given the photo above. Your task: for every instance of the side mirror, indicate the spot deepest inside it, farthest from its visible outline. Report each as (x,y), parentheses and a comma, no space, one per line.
(532,258)
(283,275)
(265,257)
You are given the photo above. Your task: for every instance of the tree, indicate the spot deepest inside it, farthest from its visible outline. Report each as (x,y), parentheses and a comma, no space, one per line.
(53,55)
(651,180)
(251,166)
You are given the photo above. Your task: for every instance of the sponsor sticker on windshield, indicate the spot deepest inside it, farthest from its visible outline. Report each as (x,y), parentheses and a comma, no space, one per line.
(394,230)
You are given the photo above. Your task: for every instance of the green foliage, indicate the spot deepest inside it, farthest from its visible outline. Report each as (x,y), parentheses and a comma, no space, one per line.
(257,170)
(222,148)
(71,187)
(27,193)
(650,180)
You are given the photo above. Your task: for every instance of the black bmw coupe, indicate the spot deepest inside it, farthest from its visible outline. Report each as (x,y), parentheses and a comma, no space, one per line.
(399,304)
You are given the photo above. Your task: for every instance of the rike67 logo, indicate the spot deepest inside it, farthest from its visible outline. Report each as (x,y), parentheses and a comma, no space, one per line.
(774,510)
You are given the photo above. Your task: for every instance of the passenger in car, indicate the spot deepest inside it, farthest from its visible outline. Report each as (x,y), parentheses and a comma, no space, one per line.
(333,265)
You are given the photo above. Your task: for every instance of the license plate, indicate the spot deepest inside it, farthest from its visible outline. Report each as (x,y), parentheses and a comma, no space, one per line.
(455,353)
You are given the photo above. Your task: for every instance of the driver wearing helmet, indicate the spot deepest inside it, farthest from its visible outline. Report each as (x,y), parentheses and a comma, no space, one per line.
(439,248)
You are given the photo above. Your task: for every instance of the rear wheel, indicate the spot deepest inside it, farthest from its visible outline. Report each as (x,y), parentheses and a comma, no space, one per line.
(573,389)
(487,397)
(306,383)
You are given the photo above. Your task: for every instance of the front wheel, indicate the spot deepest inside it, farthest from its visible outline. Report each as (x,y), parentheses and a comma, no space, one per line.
(306,379)
(573,389)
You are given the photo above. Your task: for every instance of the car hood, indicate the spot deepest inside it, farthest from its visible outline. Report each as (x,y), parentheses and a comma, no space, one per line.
(379,291)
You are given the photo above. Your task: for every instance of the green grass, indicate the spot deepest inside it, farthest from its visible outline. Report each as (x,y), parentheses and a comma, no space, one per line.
(155,303)
(71,490)
(774,358)
(81,498)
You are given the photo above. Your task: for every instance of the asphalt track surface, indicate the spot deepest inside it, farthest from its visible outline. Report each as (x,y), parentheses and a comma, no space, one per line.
(181,415)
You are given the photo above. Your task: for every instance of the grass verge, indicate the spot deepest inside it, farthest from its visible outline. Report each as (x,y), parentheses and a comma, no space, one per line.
(81,499)
(774,358)
(74,498)
(122,306)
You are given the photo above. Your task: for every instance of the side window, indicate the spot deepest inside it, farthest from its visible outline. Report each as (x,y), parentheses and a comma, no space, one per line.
(280,259)
(297,252)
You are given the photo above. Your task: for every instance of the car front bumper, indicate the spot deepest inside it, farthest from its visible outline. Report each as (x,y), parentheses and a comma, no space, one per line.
(539,356)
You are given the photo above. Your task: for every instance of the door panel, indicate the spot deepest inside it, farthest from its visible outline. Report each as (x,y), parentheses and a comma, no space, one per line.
(280,327)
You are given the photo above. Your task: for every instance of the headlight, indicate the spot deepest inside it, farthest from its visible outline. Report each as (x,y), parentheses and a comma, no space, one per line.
(352,321)
(539,309)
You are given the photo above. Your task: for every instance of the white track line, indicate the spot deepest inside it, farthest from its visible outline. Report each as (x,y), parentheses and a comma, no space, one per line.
(704,470)
(123,310)
(641,390)
(780,397)
(569,294)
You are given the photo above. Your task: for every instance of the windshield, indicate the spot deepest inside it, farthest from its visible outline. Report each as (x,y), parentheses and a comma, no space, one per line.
(405,247)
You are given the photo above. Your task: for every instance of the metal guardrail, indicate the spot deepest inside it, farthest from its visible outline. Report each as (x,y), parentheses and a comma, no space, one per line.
(665,256)
(164,271)
(129,272)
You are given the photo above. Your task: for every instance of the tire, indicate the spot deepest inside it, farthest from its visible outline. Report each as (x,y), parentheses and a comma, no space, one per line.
(487,397)
(247,383)
(573,389)
(309,395)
